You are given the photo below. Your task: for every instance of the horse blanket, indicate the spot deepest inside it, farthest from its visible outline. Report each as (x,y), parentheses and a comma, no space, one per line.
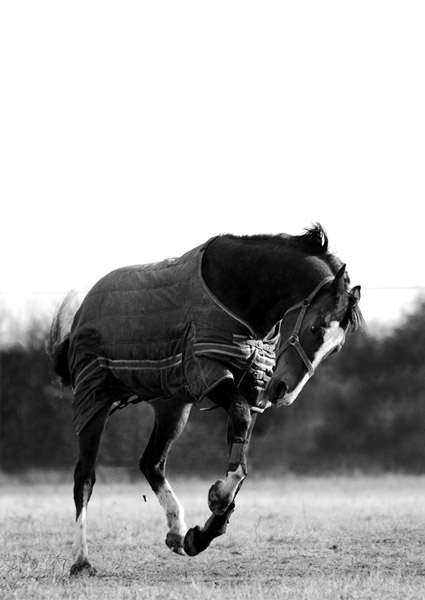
(155,331)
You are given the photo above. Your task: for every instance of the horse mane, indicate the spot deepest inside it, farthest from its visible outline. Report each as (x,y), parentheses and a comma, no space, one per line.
(313,241)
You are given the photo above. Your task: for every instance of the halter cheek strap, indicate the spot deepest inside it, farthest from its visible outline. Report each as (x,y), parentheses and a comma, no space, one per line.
(294,339)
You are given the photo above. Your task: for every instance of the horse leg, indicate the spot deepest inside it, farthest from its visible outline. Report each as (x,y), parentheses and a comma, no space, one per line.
(240,426)
(84,480)
(222,494)
(198,539)
(170,420)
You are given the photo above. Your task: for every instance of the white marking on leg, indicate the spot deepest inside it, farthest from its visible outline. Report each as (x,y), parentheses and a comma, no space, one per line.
(174,511)
(79,548)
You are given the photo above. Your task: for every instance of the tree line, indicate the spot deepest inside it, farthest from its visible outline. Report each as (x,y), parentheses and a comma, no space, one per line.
(363,410)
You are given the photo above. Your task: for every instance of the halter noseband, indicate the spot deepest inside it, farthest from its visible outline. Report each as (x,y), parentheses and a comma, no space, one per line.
(294,339)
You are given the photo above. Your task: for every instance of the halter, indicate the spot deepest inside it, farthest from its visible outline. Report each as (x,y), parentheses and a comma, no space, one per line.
(294,339)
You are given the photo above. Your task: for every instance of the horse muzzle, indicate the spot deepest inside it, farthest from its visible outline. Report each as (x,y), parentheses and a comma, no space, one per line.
(276,391)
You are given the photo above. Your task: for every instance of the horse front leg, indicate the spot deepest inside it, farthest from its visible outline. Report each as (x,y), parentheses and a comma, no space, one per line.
(222,494)
(240,426)
(170,420)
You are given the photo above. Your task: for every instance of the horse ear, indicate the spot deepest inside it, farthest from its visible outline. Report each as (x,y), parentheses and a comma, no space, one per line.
(339,281)
(355,294)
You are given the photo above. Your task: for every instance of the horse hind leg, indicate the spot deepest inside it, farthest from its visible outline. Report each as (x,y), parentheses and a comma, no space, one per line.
(170,420)
(84,480)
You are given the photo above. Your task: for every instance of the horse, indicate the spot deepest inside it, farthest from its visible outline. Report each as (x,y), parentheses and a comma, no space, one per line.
(241,320)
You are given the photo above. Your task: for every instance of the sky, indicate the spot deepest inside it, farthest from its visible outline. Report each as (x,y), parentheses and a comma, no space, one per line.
(134,131)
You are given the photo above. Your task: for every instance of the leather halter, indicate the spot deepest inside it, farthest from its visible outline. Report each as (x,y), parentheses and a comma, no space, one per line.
(294,339)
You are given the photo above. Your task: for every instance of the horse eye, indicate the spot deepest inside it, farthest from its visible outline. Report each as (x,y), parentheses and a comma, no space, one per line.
(315,329)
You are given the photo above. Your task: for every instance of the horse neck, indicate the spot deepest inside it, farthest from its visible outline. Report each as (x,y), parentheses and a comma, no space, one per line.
(259,282)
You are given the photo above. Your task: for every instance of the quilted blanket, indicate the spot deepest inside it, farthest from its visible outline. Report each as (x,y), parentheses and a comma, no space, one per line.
(154,331)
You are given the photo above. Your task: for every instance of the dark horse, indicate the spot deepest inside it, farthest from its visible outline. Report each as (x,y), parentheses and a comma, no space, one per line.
(244,321)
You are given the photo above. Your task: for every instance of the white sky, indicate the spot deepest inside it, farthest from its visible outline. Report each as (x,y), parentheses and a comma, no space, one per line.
(133,131)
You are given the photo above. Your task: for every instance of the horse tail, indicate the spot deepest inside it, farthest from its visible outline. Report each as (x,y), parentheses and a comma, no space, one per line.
(57,345)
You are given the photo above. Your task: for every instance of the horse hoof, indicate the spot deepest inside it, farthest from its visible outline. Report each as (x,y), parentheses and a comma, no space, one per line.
(218,500)
(175,542)
(82,566)
(189,541)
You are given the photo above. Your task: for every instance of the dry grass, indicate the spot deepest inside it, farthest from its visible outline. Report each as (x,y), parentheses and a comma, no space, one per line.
(293,538)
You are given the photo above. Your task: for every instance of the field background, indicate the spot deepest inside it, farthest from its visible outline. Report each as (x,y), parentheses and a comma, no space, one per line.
(338,537)
(294,535)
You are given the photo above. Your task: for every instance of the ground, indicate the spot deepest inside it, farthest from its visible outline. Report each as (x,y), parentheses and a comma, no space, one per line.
(315,538)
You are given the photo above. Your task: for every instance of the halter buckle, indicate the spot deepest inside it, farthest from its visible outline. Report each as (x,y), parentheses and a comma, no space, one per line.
(294,339)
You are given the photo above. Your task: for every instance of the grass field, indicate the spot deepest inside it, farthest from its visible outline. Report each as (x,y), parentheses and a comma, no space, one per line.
(293,538)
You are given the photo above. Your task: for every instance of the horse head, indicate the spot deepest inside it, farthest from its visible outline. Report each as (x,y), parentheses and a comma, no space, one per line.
(312,330)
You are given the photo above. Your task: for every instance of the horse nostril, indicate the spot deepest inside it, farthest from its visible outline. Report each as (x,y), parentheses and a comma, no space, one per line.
(280,390)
